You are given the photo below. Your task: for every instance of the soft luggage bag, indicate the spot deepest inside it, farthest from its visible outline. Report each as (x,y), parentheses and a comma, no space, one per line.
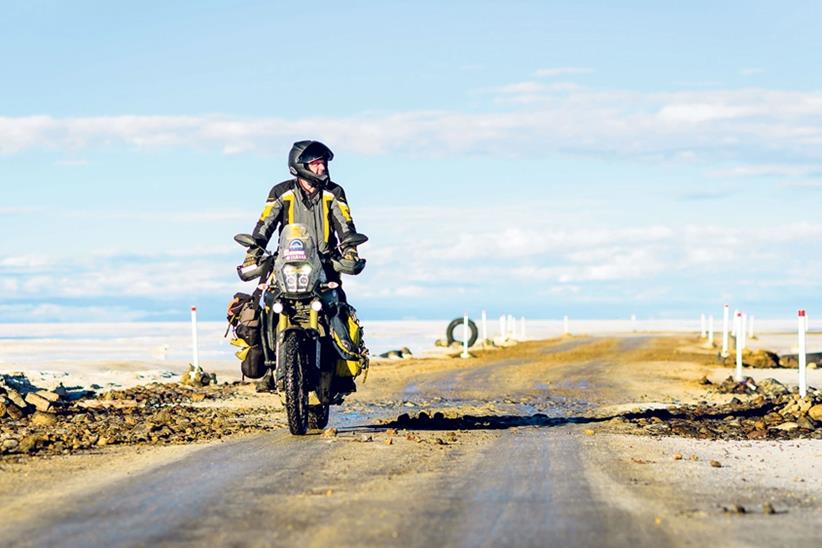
(243,316)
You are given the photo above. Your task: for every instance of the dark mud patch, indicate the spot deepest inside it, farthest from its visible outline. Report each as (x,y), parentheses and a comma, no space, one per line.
(776,414)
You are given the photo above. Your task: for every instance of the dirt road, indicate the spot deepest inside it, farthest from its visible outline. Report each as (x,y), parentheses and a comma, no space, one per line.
(521,455)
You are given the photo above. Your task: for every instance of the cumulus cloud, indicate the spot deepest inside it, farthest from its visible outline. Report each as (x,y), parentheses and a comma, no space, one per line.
(552,117)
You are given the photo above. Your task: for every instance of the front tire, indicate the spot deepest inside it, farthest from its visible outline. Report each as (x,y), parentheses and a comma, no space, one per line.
(296,396)
(318,415)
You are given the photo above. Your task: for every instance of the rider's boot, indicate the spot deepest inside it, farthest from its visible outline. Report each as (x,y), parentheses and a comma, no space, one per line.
(266,384)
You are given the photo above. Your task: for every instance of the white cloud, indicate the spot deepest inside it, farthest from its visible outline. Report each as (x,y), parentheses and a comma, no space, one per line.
(579,261)
(552,117)
(751,71)
(768,170)
(696,113)
(561,71)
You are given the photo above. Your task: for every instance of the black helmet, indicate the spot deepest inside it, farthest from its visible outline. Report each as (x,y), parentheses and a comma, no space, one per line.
(306,151)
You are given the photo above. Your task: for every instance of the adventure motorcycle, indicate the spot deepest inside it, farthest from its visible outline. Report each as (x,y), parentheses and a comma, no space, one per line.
(299,330)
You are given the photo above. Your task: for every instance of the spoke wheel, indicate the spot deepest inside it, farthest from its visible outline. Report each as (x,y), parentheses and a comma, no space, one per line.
(296,396)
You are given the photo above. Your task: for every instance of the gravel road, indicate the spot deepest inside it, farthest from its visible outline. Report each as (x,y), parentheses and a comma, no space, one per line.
(366,484)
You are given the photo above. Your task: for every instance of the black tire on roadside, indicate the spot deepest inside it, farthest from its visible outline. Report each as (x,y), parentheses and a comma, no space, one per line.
(472,327)
(296,396)
(318,416)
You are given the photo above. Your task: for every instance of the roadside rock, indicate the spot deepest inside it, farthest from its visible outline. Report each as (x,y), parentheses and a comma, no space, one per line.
(31,443)
(14,412)
(39,402)
(16,398)
(815,412)
(761,359)
(772,388)
(43,419)
(787,426)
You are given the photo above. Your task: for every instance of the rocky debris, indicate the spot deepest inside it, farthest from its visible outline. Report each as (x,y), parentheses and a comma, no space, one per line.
(792,360)
(767,508)
(766,387)
(19,398)
(772,412)
(155,414)
(765,359)
(195,376)
(401,354)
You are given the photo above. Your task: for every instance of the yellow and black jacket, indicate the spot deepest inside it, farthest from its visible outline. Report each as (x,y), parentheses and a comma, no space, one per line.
(325,213)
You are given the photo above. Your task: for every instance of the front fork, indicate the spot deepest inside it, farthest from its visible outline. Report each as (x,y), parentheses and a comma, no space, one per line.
(277,323)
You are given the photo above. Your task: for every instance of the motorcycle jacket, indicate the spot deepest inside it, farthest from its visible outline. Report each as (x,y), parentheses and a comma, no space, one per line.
(325,213)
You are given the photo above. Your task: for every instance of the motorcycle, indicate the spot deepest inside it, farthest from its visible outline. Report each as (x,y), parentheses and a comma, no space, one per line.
(296,330)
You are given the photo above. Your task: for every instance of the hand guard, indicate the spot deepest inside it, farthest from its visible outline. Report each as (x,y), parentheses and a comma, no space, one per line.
(251,268)
(350,262)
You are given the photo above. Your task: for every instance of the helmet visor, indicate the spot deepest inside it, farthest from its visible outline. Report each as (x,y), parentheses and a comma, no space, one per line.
(315,151)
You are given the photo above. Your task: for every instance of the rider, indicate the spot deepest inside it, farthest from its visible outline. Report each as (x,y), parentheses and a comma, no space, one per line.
(312,199)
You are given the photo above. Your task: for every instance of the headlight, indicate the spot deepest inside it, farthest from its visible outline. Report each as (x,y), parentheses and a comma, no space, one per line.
(296,277)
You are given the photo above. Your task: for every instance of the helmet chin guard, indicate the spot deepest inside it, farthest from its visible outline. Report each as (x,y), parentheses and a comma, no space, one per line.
(303,152)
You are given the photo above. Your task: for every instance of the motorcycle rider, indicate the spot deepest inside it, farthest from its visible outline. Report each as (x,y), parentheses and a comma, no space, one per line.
(312,199)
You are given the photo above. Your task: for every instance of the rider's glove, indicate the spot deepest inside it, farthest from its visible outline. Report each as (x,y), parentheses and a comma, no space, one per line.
(351,254)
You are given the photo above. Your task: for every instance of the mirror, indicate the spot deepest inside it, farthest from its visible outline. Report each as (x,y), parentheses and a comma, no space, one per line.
(245,240)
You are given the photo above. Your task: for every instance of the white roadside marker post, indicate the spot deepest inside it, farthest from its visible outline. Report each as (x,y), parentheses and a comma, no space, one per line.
(725,331)
(750,327)
(738,342)
(565,326)
(802,327)
(702,326)
(734,327)
(194,346)
(522,328)
(743,330)
(711,331)
(465,332)
(633,323)
(512,326)
(484,319)
(502,334)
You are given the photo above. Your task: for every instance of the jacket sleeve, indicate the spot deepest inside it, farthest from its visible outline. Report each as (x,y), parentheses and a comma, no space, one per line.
(269,219)
(341,215)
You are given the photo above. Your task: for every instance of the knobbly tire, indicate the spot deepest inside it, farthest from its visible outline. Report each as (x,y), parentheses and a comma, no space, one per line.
(318,416)
(296,397)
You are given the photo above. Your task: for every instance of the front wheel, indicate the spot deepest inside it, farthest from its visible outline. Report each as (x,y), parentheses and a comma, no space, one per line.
(318,415)
(296,396)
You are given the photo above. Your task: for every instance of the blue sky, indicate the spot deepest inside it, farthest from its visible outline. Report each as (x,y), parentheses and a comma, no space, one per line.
(538,158)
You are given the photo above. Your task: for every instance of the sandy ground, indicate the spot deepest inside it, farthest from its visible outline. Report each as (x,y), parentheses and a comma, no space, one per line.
(376,482)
